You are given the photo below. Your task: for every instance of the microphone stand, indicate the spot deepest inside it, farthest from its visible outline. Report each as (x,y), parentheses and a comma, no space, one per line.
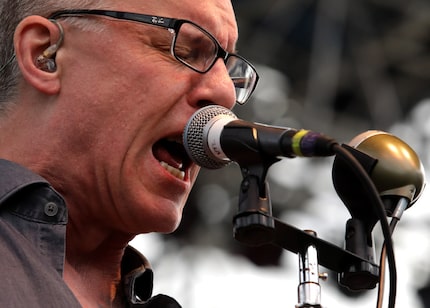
(309,289)
(254,225)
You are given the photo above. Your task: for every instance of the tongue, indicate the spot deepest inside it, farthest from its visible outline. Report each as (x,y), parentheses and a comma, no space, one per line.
(165,151)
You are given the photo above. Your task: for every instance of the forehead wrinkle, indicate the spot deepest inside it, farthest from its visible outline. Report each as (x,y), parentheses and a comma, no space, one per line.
(215,16)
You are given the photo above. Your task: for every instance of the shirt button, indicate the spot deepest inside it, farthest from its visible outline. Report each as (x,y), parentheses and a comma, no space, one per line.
(51,209)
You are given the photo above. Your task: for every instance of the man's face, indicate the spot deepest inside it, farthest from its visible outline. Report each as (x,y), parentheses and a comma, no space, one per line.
(129,101)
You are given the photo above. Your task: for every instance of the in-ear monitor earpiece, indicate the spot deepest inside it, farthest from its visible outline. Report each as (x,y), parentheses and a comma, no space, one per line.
(45,61)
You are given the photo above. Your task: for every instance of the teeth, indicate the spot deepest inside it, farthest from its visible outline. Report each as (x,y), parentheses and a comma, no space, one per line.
(174,171)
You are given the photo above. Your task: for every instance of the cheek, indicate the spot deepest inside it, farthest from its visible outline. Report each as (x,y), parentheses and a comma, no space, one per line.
(166,87)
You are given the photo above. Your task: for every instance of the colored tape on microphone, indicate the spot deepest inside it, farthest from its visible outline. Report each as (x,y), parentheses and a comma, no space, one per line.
(296,141)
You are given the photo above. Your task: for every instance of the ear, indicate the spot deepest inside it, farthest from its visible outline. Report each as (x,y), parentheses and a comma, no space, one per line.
(33,35)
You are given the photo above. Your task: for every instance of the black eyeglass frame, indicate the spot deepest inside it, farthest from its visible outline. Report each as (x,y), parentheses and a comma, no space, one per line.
(167,23)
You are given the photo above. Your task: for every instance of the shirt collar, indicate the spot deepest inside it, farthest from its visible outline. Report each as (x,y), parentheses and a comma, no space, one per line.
(136,272)
(14,177)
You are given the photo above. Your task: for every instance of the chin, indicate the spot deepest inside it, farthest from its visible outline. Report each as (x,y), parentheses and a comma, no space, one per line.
(168,226)
(168,220)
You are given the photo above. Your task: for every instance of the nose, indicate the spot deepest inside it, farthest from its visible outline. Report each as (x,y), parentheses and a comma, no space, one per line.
(215,87)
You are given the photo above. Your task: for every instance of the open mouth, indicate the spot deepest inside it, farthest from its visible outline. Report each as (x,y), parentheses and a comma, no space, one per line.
(172,156)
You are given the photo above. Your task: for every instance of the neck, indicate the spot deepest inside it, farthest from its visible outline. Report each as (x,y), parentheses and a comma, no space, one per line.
(92,267)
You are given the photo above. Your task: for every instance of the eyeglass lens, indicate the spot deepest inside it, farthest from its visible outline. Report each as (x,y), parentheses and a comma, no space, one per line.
(196,49)
(244,77)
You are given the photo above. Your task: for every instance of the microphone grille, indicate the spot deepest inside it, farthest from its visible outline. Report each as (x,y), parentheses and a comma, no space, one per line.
(195,139)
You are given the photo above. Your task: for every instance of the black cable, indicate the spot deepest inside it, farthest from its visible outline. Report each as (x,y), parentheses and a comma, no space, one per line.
(376,201)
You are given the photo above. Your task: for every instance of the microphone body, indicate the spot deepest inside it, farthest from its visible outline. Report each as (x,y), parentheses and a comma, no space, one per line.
(398,171)
(393,166)
(214,137)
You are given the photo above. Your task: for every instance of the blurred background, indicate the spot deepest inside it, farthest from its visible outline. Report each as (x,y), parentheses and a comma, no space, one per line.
(334,66)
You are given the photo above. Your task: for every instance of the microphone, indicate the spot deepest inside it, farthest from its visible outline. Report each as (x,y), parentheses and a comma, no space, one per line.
(398,176)
(393,166)
(214,137)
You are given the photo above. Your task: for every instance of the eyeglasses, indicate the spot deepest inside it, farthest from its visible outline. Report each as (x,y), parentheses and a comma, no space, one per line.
(191,45)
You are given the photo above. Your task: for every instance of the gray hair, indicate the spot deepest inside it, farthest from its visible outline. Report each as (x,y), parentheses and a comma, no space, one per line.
(12,12)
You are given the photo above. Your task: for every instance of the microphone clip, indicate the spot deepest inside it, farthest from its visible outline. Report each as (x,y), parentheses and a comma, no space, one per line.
(254,224)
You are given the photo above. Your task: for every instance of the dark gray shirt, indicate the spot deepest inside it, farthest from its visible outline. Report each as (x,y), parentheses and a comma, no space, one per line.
(33,219)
